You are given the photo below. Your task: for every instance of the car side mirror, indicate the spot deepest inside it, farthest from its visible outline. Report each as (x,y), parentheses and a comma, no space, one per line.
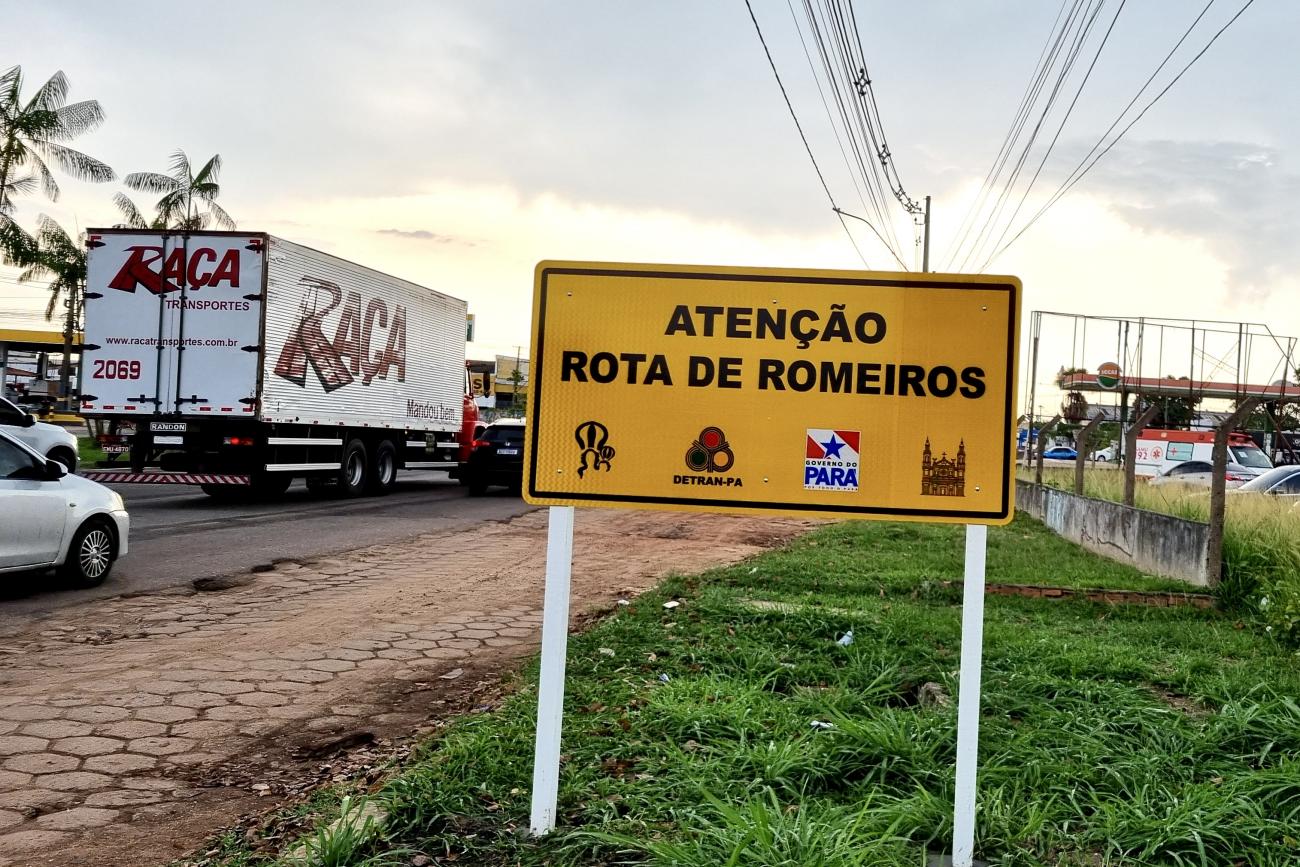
(27,420)
(54,471)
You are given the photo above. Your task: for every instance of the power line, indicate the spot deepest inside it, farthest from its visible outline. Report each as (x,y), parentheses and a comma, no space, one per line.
(1082,170)
(1052,144)
(799,127)
(832,49)
(1004,150)
(1084,29)
(852,129)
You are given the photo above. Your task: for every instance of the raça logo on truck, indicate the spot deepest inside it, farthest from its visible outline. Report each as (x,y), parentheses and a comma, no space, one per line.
(202,269)
(354,336)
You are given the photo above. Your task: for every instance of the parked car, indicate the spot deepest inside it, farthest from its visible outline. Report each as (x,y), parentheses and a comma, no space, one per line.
(1281,481)
(1061,453)
(1201,472)
(48,440)
(49,519)
(497,458)
(1106,454)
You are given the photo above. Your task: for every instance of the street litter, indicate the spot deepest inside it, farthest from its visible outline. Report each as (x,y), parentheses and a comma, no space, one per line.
(671,603)
(606,651)
(663,678)
(624,602)
(846,639)
(452,675)
(820,726)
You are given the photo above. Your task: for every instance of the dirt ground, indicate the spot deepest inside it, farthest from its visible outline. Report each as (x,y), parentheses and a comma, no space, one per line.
(132,729)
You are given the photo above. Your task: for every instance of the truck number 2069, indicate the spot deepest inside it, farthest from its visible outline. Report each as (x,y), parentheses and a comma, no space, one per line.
(108,368)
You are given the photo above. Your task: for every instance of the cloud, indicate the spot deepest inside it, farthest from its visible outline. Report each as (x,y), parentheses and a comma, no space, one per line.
(1237,198)
(426,235)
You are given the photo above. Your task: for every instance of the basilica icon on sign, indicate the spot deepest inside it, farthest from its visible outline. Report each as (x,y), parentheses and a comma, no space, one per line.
(943,476)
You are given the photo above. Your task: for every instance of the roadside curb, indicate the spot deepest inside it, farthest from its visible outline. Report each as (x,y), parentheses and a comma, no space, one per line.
(1150,598)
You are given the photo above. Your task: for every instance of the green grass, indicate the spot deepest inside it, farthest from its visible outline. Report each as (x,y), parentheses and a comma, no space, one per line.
(88,452)
(1110,735)
(1261,541)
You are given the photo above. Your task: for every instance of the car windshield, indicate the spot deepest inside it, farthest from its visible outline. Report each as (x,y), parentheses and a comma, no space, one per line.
(1250,456)
(504,433)
(1269,479)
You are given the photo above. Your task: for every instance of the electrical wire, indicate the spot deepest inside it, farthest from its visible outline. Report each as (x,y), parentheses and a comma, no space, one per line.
(1085,166)
(1022,110)
(827,28)
(804,138)
(1047,60)
(1060,127)
(1089,19)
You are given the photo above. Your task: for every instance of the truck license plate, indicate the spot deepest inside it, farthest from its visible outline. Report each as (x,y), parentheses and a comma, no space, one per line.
(115,449)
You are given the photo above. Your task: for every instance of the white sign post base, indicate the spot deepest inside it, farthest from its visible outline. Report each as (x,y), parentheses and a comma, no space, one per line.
(550,686)
(968,696)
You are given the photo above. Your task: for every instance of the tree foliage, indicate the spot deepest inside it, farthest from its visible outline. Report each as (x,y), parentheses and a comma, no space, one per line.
(188,199)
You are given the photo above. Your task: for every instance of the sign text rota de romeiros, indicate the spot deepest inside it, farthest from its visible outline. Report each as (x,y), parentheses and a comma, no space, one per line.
(840,393)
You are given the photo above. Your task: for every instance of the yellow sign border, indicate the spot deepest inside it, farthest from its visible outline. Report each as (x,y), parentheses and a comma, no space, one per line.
(931,280)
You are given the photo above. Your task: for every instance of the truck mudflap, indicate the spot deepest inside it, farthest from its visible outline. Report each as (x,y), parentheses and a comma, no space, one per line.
(162,478)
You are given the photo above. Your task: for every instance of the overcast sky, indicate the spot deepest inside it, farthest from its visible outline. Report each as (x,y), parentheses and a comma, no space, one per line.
(456,144)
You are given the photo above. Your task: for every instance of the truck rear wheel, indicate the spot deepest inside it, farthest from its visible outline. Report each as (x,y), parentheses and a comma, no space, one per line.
(354,470)
(383,469)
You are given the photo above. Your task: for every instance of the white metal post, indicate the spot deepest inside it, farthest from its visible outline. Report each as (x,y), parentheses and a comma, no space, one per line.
(968,696)
(550,687)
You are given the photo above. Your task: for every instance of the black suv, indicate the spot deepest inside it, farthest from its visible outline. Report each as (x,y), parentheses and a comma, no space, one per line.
(497,459)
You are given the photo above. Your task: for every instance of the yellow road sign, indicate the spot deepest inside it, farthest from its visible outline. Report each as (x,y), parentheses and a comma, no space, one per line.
(849,394)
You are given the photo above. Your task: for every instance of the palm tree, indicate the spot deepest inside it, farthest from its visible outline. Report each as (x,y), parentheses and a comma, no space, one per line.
(57,256)
(33,132)
(189,199)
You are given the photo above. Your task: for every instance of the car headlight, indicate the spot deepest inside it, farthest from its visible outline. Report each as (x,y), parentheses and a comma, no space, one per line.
(119,505)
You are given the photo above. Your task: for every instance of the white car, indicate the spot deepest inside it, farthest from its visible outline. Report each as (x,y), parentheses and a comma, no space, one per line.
(49,440)
(1201,472)
(49,519)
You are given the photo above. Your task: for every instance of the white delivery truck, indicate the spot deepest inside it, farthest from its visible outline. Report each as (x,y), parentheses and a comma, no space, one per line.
(238,361)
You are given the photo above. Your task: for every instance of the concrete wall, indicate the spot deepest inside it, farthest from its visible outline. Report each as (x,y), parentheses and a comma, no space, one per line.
(1157,544)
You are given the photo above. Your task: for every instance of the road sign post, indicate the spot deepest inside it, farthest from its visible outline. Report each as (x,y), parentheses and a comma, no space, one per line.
(763,391)
(550,686)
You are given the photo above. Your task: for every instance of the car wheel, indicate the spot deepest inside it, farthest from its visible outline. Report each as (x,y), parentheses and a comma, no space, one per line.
(383,469)
(90,556)
(67,457)
(477,486)
(353,470)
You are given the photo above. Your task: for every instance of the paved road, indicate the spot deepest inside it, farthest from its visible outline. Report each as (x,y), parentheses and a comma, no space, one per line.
(179,535)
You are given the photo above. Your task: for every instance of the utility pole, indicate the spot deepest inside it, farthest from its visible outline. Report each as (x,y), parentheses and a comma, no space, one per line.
(925,250)
(73,302)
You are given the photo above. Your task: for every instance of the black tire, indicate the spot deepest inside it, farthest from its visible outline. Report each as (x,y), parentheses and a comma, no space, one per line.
(477,486)
(64,456)
(383,469)
(91,554)
(354,470)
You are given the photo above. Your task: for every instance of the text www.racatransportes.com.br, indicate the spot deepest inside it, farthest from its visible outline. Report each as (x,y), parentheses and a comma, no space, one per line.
(170,341)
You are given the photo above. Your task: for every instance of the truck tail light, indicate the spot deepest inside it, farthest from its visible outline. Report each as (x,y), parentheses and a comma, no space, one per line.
(238,441)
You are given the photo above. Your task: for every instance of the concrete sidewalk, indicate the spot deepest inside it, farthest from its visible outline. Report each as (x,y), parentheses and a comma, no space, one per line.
(115,716)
